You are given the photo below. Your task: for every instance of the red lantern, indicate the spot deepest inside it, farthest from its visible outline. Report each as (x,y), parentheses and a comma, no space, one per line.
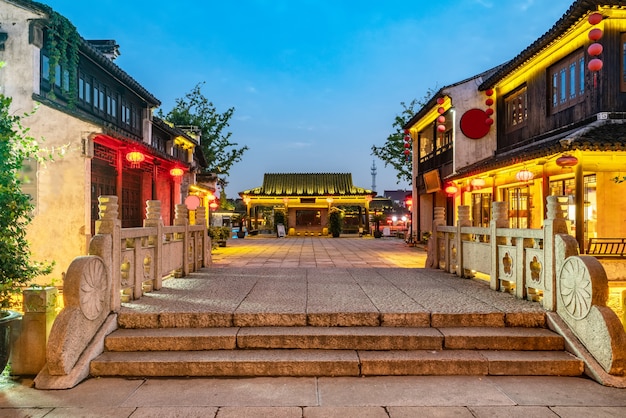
(407,138)
(451,189)
(407,145)
(440,101)
(595,18)
(595,49)
(489,112)
(441,128)
(489,121)
(489,92)
(489,101)
(595,65)
(407,132)
(407,152)
(595,34)
(176,172)
(135,158)
(566,160)
(441,119)
(441,110)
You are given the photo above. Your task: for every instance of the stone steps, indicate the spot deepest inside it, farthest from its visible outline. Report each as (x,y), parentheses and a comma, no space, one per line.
(334,351)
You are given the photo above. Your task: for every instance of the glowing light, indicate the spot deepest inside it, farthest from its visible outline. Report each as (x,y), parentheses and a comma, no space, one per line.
(451,189)
(176,172)
(595,34)
(524,175)
(595,18)
(595,49)
(566,160)
(477,183)
(595,65)
(135,158)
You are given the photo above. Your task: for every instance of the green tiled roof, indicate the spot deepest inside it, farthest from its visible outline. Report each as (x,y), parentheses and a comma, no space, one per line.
(307,184)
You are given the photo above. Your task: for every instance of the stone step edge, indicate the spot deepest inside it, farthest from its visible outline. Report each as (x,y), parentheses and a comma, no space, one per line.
(362,338)
(336,363)
(131,319)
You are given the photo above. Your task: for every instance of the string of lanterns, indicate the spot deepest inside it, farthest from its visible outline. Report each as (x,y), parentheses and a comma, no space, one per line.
(595,49)
(407,143)
(135,158)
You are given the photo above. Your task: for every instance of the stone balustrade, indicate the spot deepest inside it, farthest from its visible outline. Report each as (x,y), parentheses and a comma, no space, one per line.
(541,265)
(122,264)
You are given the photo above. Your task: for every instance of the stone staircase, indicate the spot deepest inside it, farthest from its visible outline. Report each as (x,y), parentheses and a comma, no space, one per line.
(335,351)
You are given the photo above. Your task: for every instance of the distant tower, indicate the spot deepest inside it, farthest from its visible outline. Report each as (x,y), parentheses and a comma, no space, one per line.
(373,168)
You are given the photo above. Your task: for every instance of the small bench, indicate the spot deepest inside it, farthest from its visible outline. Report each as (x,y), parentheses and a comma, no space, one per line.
(607,247)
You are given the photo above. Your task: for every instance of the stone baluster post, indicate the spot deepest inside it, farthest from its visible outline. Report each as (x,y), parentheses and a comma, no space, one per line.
(181,218)
(432,258)
(154,220)
(554,224)
(463,220)
(107,244)
(499,219)
(206,245)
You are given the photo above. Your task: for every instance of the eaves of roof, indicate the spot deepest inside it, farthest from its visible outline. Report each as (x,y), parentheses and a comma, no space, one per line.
(97,57)
(443,92)
(573,15)
(598,135)
(307,184)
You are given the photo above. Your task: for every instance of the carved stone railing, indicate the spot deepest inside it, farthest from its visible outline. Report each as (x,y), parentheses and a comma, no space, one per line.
(541,265)
(122,264)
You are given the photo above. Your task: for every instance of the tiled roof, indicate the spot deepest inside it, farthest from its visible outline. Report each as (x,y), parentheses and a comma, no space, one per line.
(90,51)
(307,184)
(573,15)
(600,135)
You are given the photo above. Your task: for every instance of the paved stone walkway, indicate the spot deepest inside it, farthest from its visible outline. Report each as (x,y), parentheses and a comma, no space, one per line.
(355,260)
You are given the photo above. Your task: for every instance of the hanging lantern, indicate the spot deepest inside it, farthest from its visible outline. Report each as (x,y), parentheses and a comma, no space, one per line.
(524,175)
(489,101)
(489,92)
(440,101)
(451,189)
(176,172)
(566,160)
(407,152)
(489,112)
(489,121)
(595,49)
(595,18)
(441,119)
(407,138)
(477,183)
(441,110)
(407,145)
(135,158)
(441,128)
(595,65)
(407,132)
(595,34)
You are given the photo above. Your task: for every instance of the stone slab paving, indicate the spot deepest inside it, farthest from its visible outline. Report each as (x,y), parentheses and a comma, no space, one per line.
(377,272)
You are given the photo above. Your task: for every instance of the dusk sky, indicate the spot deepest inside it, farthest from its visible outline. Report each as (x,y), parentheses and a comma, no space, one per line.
(314,83)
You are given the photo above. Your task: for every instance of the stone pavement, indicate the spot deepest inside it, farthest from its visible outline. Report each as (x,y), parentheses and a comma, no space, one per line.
(363,397)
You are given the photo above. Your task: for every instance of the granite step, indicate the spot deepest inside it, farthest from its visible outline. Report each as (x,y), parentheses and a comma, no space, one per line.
(333,338)
(297,362)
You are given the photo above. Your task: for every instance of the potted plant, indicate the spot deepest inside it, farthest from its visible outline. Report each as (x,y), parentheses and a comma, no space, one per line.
(17,269)
(377,218)
(334,222)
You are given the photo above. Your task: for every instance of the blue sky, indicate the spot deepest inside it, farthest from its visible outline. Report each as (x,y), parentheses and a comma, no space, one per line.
(314,83)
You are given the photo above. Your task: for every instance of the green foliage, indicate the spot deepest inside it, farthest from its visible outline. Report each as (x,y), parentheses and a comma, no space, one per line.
(219,233)
(62,45)
(196,110)
(335,222)
(16,146)
(392,151)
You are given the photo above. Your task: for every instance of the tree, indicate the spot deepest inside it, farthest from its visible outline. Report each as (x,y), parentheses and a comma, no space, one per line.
(17,268)
(196,110)
(392,151)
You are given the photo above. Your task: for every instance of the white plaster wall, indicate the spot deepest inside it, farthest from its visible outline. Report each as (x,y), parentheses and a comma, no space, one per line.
(465,96)
(61,226)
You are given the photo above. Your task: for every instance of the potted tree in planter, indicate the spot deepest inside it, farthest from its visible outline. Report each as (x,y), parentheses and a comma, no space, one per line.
(334,222)
(377,218)
(16,267)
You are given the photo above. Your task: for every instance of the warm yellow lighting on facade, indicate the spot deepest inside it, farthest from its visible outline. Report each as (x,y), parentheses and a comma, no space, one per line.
(431,116)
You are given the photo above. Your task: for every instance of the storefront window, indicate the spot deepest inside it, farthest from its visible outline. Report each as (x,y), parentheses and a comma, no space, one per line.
(518,199)
(481,209)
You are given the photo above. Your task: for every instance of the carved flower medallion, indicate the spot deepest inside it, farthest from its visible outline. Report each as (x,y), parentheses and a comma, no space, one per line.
(576,289)
(93,288)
